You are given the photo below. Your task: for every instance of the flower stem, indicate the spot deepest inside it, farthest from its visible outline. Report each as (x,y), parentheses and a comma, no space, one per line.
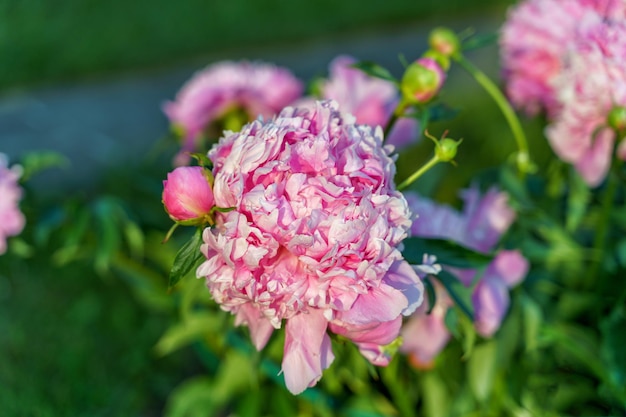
(599,242)
(524,163)
(397,112)
(433,161)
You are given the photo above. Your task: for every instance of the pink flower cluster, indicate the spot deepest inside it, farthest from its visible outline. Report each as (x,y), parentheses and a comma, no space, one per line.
(479,227)
(312,240)
(566,57)
(240,90)
(11,218)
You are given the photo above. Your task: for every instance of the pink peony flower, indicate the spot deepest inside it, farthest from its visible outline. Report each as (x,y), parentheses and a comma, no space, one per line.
(227,95)
(187,194)
(312,240)
(11,218)
(592,84)
(371,100)
(481,224)
(533,42)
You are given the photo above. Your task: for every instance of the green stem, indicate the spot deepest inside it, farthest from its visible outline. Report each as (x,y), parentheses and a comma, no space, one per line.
(433,161)
(397,112)
(523,157)
(599,243)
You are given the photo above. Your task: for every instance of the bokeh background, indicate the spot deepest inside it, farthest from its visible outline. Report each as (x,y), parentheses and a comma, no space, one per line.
(86,79)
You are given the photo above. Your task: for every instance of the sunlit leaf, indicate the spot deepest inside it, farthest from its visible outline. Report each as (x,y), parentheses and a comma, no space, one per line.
(193,328)
(577,200)
(481,369)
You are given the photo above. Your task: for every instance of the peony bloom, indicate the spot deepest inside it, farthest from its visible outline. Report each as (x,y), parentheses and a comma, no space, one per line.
(481,224)
(533,42)
(227,95)
(11,218)
(312,242)
(371,100)
(187,194)
(589,88)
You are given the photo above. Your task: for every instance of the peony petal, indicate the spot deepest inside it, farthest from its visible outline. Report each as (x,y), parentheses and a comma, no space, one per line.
(307,350)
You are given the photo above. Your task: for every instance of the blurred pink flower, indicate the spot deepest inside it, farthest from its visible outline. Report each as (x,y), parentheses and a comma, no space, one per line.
(483,220)
(371,100)
(313,238)
(187,194)
(533,42)
(592,84)
(425,335)
(241,91)
(11,218)
(479,226)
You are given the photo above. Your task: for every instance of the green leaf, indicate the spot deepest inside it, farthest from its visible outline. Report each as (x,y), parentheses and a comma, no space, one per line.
(430,294)
(374,70)
(461,294)
(441,112)
(533,317)
(613,348)
(436,396)
(481,369)
(193,328)
(516,188)
(34,162)
(193,398)
(186,259)
(577,201)
(479,41)
(447,253)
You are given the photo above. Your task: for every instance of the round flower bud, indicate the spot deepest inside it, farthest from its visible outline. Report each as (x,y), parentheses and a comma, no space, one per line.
(446,149)
(422,80)
(187,195)
(444,41)
(617,118)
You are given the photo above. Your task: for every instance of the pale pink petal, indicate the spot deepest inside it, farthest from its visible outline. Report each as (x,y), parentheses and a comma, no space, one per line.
(307,350)
(491,302)
(510,266)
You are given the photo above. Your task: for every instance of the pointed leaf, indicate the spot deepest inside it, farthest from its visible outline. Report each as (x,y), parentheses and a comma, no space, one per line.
(447,253)
(374,70)
(186,259)
(481,370)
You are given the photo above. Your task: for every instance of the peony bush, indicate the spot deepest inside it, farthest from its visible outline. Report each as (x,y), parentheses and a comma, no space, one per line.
(326,257)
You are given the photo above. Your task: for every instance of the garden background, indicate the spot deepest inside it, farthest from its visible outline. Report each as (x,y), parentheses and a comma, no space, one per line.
(86,79)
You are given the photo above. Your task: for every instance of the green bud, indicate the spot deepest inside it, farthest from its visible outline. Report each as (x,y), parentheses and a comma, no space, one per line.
(441,59)
(446,149)
(444,41)
(422,80)
(617,118)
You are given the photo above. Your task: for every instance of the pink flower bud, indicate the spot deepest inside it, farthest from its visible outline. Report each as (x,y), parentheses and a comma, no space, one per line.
(187,194)
(422,80)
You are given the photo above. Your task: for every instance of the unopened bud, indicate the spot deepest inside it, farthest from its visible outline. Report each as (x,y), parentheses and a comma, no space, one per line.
(441,59)
(446,149)
(444,41)
(187,195)
(617,118)
(422,80)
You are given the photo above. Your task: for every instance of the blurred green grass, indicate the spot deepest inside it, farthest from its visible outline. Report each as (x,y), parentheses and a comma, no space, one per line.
(43,41)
